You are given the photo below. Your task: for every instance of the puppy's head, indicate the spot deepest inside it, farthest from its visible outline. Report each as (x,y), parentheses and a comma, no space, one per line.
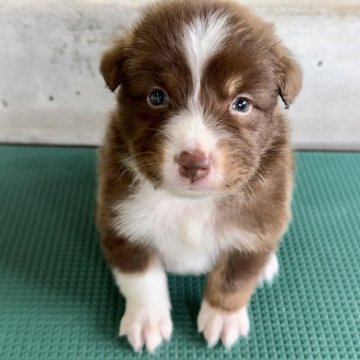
(198,86)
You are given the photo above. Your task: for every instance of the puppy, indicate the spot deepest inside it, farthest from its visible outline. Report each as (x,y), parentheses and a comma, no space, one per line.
(196,169)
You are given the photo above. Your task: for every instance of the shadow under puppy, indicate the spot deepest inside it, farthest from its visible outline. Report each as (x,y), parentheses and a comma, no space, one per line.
(196,170)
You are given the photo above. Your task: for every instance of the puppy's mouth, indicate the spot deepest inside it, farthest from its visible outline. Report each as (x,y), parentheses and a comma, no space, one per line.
(191,186)
(191,191)
(214,184)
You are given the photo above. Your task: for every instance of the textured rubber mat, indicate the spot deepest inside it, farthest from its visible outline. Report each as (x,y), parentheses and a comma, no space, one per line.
(58,301)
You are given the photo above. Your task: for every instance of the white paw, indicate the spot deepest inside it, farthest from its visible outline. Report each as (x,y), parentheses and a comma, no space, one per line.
(270,270)
(146,326)
(217,324)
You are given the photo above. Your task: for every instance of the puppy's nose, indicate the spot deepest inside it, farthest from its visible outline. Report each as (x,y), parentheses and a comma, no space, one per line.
(194,165)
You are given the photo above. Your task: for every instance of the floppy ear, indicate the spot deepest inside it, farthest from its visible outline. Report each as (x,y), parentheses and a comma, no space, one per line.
(112,62)
(289,75)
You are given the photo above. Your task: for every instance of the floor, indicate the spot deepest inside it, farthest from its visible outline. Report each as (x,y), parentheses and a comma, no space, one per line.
(58,301)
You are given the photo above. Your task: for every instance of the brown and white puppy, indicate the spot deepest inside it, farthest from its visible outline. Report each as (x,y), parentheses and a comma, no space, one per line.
(196,168)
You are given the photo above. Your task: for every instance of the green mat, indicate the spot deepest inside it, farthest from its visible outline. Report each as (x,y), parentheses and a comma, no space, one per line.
(58,300)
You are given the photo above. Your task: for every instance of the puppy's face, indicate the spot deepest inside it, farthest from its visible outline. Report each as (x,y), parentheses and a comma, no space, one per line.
(199,83)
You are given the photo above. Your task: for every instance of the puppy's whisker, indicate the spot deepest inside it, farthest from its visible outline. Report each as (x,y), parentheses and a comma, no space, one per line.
(262,179)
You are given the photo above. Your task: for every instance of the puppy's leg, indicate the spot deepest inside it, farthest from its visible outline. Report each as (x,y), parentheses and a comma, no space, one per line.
(223,314)
(147,316)
(142,280)
(270,270)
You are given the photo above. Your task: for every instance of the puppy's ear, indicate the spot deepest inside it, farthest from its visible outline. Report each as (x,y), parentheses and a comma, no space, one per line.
(289,74)
(113,61)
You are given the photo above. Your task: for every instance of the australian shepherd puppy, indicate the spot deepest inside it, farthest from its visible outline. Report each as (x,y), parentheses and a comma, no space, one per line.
(196,168)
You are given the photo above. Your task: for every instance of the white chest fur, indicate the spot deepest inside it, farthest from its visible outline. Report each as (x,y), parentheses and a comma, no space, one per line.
(182,230)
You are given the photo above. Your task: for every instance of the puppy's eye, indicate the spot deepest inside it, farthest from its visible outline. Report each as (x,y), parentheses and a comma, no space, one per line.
(157,98)
(241,105)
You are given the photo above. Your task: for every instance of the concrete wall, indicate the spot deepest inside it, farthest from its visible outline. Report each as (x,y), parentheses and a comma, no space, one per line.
(51,92)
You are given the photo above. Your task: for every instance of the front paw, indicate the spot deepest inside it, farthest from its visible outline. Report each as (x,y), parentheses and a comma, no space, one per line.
(146,326)
(217,324)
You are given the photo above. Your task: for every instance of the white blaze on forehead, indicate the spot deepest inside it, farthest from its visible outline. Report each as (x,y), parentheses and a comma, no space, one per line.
(189,129)
(189,132)
(203,37)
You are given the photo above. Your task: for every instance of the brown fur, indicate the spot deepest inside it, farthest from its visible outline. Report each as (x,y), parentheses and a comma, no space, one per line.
(115,183)
(230,285)
(256,158)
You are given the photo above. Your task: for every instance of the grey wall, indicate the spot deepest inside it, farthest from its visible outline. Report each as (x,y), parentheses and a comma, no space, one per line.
(51,92)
